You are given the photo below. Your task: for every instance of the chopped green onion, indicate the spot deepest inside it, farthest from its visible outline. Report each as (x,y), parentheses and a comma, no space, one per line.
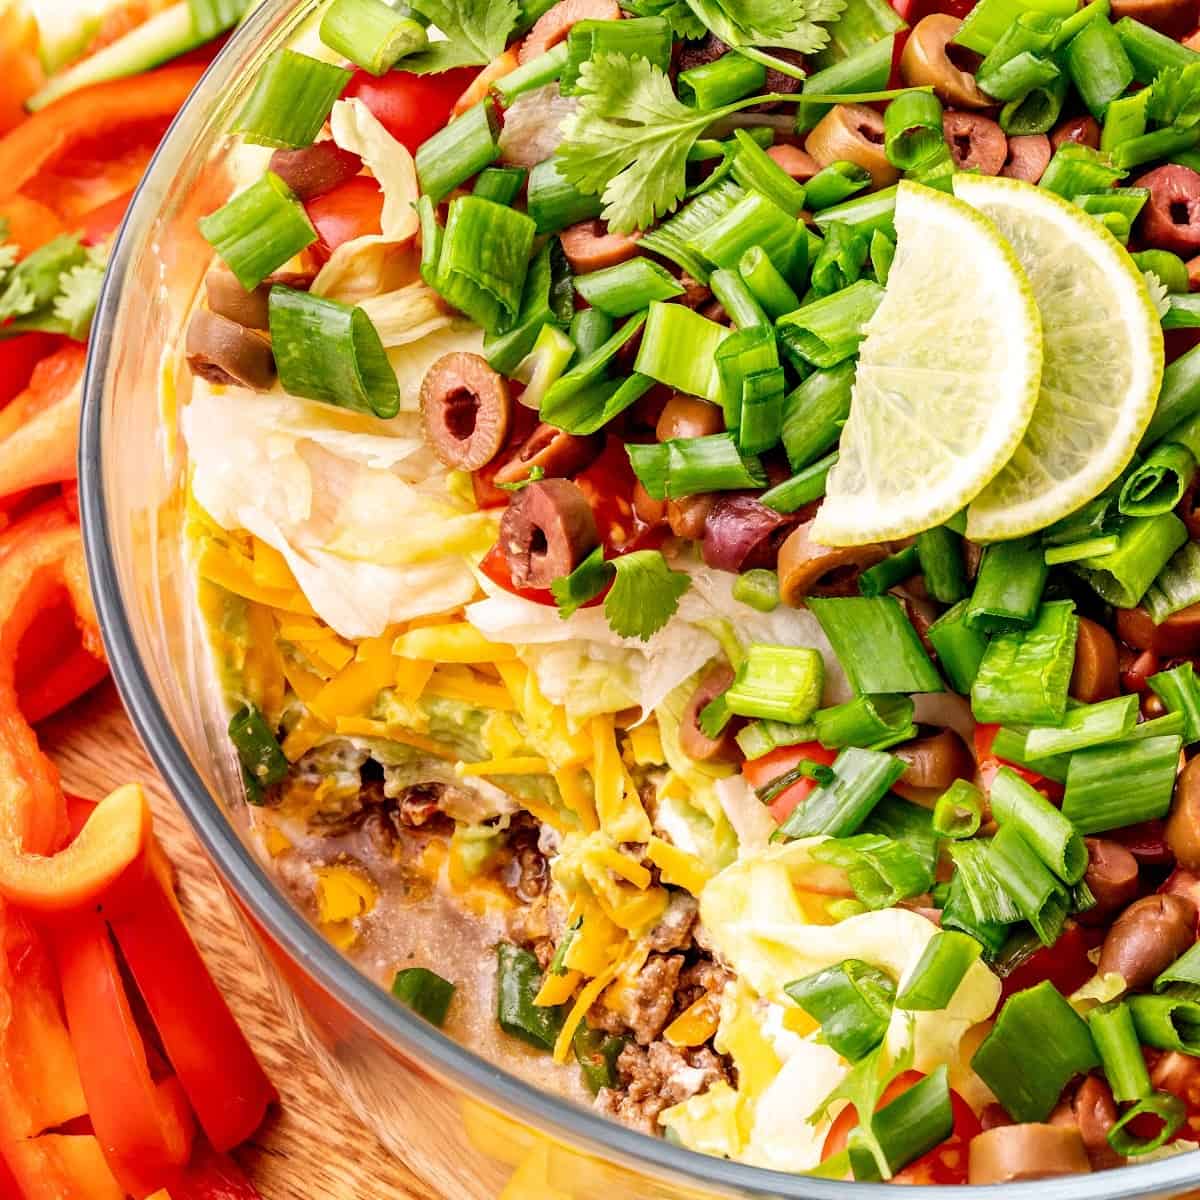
(431,253)
(867,214)
(1170,1021)
(805,769)
(1038,1044)
(484,261)
(757,171)
(741,357)
(852,1002)
(865,721)
(761,411)
(1183,312)
(752,221)
(1126,201)
(882,870)
(1087,725)
(212,17)
(912,129)
(371,33)
(1076,169)
(1185,969)
(883,252)
(940,553)
(1024,674)
(931,984)
(772,292)
(1037,111)
(911,1125)
(1120,1054)
(462,149)
(830,330)
(1021,872)
(551,200)
(1169,725)
(679,348)
(1068,27)
(1009,586)
(1033,32)
(1098,65)
(627,287)
(803,487)
(263,762)
(814,413)
(739,302)
(959,811)
(861,779)
(590,329)
(761,737)
(500,185)
(911,824)
(425,992)
(578,401)
(1178,398)
(778,683)
(758,588)
(1171,270)
(714,716)
(1016,77)
(548,295)
(259,230)
(1179,691)
(331,352)
(866,70)
(1145,545)
(834,184)
(876,644)
(1109,787)
(1150,51)
(1049,834)
(1009,745)
(1077,551)
(544,364)
(292,98)
(597,1053)
(518,981)
(689,466)
(958,913)
(645,37)
(1169,1109)
(840,261)
(959,648)
(718,83)
(1162,143)
(1177,586)
(530,76)
(986,896)
(1124,120)
(893,570)
(987,22)
(672,238)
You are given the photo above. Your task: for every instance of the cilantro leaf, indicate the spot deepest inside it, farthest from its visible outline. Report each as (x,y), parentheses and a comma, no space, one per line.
(588,580)
(33,283)
(79,293)
(792,24)
(629,139)
(1175,97)
(476,33)
(644,595)
(683,22)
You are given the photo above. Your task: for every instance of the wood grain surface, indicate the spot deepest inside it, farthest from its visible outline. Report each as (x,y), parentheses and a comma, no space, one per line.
(314,1148)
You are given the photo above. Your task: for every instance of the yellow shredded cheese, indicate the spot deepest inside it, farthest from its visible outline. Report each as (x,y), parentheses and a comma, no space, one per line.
(458,642)
(696,1024)
(557,989)
(262,672)
(235,573)
(411,676)
(365,727)
(678,867)
(270,568)
(470,689)
(597,941)
(307,733)
(304,683)
(276,841)
(344,894)
(644,744)
(575,791)
(353,691)
(618,805)
(586,998)
(623,866)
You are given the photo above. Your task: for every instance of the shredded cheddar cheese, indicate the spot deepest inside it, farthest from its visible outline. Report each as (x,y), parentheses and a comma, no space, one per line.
(678,867)
(618,806)
(454,643)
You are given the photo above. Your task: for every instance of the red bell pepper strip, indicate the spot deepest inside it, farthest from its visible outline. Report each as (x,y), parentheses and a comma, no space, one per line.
(101,223)
(144,1128)
(40,557)
(30,223)
(22,74)
(39,429)
(70,1166)
(212,1060)
(19,356)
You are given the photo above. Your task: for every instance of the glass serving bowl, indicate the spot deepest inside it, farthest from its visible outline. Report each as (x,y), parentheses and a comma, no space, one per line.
(469,1128)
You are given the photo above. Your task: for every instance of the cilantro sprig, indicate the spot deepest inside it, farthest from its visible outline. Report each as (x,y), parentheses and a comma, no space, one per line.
(629,139)
(643,597)
(794,25)
(683,22)
(55,289)
(476,33)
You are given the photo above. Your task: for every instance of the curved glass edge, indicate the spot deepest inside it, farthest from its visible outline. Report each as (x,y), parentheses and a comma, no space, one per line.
(248,880)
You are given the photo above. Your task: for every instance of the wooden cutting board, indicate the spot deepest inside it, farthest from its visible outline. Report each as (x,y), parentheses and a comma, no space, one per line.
(315,1148)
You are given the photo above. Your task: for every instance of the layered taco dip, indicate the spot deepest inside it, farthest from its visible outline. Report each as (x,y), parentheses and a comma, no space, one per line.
(694,503)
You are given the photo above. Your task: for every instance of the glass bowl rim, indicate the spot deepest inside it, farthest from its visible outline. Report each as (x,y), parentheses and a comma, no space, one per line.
(251,884)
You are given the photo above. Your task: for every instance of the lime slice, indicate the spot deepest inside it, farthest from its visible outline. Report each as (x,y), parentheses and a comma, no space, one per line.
(947,377)
(1103,359)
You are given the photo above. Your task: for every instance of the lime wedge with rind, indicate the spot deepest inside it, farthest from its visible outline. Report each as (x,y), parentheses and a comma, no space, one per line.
(947,377)
(1102,366)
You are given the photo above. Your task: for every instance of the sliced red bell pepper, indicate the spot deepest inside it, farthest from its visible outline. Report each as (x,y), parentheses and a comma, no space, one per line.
(22,74)
(761,771)
(144,1128)
(18,357)
(68,1165)
(40,557)
(212,1060)
(101,223)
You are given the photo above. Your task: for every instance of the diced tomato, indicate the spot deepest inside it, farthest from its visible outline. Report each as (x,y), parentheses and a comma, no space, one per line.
(524,422)
(411,107)
(1065,964)
(608,485)
(760,771)
(944,1164)
(1179,1074)
(351,210)
(495,567)
(988,764)
(18,357)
